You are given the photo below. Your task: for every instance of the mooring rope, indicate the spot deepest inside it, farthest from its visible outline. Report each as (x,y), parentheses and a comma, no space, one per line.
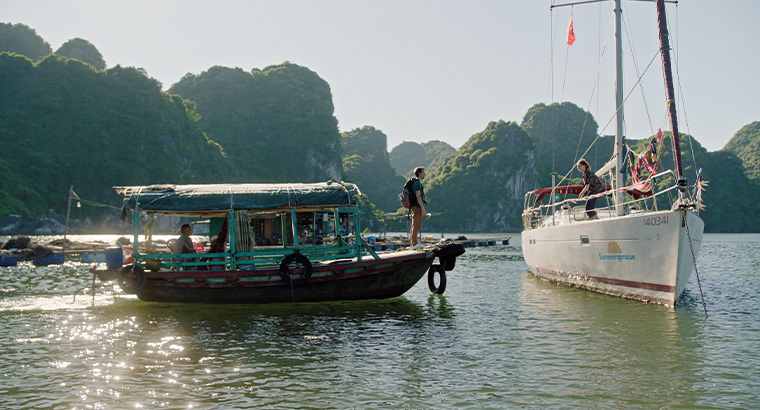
(694,260)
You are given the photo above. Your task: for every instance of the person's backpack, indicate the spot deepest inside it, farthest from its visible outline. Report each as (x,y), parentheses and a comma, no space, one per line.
(407,194)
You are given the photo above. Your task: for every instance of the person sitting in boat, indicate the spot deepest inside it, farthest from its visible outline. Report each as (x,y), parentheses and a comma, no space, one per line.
(185,244)
(591,185)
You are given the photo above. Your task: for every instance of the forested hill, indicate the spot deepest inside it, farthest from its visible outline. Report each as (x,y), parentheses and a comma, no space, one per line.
(21,39)
(365,163)
(746,145)
(408,155)
(282,114)
(66,121)
(562,132)
(63,123)
(481,187)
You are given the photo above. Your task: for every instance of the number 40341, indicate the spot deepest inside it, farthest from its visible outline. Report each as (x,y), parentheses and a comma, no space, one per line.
(656,220)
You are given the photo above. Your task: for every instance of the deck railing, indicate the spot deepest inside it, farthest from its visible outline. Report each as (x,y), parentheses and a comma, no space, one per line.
(265,258)
(535,216)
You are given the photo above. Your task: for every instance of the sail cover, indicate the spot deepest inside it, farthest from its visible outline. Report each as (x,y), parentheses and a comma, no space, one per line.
(191,199)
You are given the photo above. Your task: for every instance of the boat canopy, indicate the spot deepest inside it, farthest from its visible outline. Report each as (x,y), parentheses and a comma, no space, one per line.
(219,198)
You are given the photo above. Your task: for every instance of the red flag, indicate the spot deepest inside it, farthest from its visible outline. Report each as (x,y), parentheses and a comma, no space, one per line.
(570,32)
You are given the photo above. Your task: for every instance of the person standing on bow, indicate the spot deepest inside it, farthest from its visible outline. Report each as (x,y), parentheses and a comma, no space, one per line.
(417,200)
(591,185)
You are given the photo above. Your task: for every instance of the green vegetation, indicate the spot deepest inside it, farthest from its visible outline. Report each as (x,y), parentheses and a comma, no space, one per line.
(562,132)
(22,40)
(365,163)
(265,119)
(481,187)
(746,145)
(64,123)
(407,156)
(82,50)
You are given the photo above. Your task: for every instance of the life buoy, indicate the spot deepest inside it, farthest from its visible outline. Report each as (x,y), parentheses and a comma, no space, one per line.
(131,279)
(299,260)
(438,290)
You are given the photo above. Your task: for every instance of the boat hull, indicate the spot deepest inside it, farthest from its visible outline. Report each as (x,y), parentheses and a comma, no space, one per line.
(644,256)
(342,280)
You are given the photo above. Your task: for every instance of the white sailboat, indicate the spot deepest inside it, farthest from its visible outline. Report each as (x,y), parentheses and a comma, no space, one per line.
(633,250)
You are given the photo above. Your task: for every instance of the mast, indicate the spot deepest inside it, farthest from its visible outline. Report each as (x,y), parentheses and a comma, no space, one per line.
(666,68)
(619,109)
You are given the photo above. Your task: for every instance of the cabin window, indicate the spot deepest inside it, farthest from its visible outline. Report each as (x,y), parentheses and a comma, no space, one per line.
(585,241)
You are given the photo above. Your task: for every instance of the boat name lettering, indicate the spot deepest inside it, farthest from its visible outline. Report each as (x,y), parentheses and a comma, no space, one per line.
(656,220)
(617,257)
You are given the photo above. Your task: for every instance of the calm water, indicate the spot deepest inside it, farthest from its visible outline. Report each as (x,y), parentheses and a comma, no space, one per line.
(498,338)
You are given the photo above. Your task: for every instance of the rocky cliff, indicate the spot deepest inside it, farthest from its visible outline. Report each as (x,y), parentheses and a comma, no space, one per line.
(481,187)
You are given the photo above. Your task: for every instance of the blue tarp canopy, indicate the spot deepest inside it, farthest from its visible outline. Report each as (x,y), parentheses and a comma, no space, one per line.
(216,198)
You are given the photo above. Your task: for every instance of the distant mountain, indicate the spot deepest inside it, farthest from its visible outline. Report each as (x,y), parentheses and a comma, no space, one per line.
(562,132)
(745,144)
(481,187)
(365,162)
(20,39)
(82,50)
(275,124)
(407,156)
(63,124)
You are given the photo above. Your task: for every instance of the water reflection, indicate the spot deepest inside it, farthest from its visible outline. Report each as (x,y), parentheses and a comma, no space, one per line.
(498,338)
(609,348)
(250,355)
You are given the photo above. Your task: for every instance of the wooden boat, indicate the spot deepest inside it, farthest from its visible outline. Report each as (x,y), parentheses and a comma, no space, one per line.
(235,270)
(633,250)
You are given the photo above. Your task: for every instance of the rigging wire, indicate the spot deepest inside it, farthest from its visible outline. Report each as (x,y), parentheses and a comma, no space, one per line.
(594,91)
(694,261)
(598,58)
(632,47)
(562,98)
(616,111)
(681,98)
(549,91)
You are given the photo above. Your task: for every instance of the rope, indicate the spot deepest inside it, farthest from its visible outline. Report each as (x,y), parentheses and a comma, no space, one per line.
(694,260)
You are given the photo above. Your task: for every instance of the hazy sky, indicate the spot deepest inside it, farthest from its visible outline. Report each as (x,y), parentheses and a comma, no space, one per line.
(424,70)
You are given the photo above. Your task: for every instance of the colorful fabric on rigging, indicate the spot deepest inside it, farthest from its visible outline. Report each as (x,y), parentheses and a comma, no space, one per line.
(701,184)
(647,160)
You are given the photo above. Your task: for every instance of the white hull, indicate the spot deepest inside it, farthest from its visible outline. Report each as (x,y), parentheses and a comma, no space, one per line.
(643,256)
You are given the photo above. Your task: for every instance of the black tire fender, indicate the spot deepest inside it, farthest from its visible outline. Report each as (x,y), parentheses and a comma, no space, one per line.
(450,251)
(448,264)
(131,279)
(285,269)
(438,290)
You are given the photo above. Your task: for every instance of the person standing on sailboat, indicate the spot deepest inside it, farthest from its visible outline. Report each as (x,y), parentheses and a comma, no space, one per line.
(591,184)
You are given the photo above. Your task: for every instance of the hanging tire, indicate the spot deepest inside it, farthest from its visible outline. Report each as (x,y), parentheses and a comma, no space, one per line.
(131,279)
(285,271)
(438,290)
